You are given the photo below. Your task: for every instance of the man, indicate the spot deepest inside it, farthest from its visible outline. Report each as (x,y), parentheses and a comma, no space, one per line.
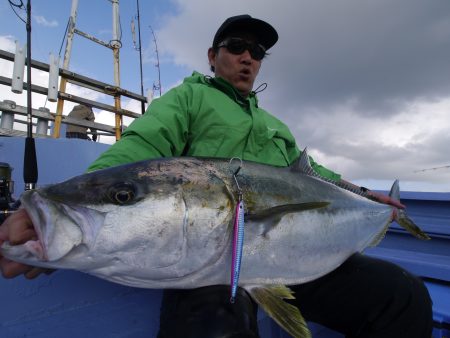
(220,117)
(81,112)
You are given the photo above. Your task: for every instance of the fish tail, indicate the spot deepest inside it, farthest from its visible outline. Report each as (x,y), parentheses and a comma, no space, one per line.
(395,190)
(270,299)
(402,218)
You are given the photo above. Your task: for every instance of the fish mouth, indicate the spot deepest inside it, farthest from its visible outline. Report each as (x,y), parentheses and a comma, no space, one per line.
(59,228)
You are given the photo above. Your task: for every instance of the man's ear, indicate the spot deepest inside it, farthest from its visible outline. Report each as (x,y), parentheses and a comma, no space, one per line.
(212,57)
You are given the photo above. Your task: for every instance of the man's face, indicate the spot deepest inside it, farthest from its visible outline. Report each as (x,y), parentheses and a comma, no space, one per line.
(238,69)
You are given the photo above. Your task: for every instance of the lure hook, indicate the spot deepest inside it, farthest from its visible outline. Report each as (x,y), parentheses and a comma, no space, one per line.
(235,174)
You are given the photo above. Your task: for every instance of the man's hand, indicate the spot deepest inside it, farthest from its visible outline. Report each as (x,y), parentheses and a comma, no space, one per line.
(381,198)
(18,229)
(385,199)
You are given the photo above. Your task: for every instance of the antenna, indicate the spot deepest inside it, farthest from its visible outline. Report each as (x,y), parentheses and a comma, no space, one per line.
(156,86)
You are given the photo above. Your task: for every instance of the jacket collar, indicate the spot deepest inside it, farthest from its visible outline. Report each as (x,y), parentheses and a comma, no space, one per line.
(227,88)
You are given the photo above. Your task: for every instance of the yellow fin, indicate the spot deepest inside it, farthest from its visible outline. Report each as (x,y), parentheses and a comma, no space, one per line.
(270,299)
(409,225)
(380,236)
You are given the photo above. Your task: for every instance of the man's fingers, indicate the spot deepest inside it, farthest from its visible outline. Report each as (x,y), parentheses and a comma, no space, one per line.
(387,200)
(396,204)
(11,269)
(34,272)
(22,237)
(17,228)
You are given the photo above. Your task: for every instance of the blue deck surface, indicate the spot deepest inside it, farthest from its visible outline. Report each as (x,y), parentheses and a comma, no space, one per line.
(71,304)
(428,259)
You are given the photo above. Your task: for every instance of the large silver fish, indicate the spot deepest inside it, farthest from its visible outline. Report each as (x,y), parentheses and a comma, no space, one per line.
(168,223)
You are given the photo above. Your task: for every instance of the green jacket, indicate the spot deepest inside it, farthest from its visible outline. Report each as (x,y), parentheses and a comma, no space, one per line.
(206,117)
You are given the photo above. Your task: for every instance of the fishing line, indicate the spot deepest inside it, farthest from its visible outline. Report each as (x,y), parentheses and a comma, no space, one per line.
(20,6)
(65,35)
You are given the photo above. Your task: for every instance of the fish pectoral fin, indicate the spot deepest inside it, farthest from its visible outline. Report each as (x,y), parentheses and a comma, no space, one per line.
(267,219)
(281,210)
(271,299)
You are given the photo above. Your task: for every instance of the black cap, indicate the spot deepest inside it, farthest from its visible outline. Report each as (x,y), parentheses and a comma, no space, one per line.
(265,33)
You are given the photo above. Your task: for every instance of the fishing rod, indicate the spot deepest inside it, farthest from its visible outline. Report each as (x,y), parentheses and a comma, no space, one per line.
(138,47)
(30,169)
(156,87)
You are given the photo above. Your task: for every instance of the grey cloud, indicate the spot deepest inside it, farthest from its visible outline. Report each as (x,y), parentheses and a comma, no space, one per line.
(380,54)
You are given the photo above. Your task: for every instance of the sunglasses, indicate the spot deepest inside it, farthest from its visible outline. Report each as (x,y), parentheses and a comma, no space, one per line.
(238,46)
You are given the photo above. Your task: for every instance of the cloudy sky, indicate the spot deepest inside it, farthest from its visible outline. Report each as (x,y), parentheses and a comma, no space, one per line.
(364,84)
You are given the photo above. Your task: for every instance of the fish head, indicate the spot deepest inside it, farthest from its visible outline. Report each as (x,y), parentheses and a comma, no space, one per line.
(69,216)
(59,227)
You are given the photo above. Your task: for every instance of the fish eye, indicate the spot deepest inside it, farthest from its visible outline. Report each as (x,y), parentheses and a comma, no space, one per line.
(122,193)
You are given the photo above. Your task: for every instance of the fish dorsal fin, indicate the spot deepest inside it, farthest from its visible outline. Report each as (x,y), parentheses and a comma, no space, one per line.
(303,165)
(271,299)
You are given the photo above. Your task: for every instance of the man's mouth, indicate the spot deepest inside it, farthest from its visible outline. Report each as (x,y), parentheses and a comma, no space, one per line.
(245,74)
(245,71)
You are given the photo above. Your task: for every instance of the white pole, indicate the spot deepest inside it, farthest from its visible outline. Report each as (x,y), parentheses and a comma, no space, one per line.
(70,33)
(53,76)
(19,68)
(115,43)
